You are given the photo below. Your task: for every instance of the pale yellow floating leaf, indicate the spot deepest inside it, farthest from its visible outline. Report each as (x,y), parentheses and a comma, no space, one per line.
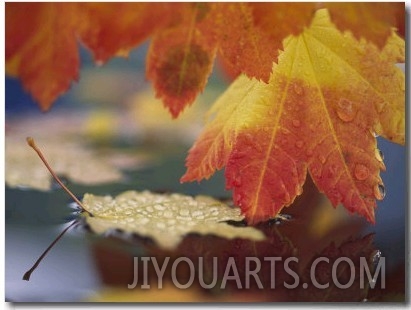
(165,218)
(68,158)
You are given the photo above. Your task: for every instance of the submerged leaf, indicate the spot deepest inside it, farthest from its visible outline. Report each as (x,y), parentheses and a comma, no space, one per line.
(165,218)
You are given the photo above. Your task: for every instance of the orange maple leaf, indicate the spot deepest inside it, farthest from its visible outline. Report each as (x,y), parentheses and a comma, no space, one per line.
(326,98)
(368,20)
(116,28)
(181,56)
(41,48)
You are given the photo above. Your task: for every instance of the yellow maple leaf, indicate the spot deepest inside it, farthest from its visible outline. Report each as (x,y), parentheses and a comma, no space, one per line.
(327,97)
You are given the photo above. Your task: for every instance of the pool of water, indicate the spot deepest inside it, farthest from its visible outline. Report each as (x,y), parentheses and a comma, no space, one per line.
(87,267)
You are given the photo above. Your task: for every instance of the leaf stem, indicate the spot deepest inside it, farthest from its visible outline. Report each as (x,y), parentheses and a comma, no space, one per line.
(30,142)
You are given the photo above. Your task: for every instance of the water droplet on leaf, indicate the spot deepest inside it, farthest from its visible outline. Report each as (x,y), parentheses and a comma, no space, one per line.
(333,169)
(298,89)
(309,152)
(237,182)
(345,110)
(296,123)
(184,212)
(299,144)
(361,172)
(316,172)
(379,155)
(379,191)
(312,127)
(321,158)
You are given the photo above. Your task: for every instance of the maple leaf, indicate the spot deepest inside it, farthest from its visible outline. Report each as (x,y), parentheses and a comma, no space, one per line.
(326,97)
(165,218)
(251,34)
(45,56)
(116,28)
(368,20)
(181,56)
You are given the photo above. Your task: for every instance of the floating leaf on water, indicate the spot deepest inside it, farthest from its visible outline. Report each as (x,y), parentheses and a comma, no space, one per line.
(23,168)
(165,218)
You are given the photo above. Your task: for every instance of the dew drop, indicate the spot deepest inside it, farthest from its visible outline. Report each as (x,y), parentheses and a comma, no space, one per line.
(345,110)
(266,129)
(296,123)
(159,207)
(312,127)
(168,214)
(299,144)
(379,155)
(333,169)
(258,148)
(309,152)
(246,125)
(184,212)
(379,191)
(316,172)
(237,182)
(361,172)
(298,89)
(197,213)
(284,131)
(321,158)
(375,259)
(161,225)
